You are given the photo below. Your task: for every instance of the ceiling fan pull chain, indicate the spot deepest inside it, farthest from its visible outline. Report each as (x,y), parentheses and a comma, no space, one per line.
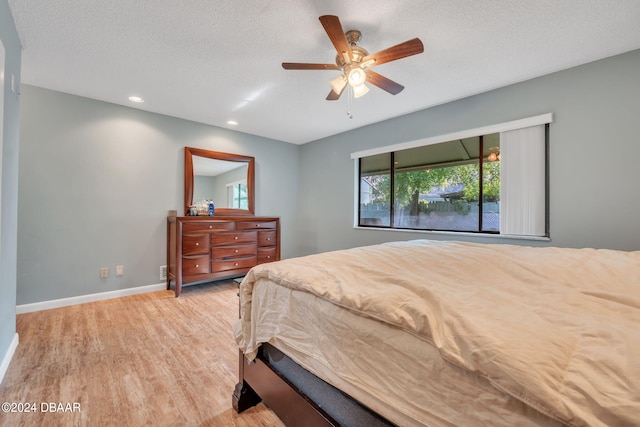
(349,96)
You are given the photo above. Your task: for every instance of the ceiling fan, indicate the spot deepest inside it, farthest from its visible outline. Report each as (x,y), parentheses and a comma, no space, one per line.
(354,61)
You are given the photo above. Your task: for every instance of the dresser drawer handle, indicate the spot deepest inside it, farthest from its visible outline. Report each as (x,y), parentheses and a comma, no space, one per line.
(235,265)
(235,237)
(268,256)
(257,225)
(197,244)
(197,265)
(236,251)
(211,226)
(268,238)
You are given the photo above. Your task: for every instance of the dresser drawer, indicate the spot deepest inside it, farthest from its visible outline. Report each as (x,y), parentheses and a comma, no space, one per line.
(266,255)
(193,244)
(208,226)
(255,225)
(195,265)
(202,248)
(234,264)
(233,237)
(221,252)
(267,238)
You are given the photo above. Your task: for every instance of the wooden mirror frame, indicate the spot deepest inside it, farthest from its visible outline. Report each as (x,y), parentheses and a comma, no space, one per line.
(189,152)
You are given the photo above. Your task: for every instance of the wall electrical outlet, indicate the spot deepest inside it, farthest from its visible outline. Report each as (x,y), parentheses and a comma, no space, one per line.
(163,272)
(104,273)
(119,270)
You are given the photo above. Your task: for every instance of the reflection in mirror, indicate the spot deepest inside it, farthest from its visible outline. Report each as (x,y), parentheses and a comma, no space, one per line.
(224,178)
(223,182)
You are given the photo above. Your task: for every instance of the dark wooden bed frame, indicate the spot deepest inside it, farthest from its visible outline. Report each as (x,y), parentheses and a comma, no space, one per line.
(262,380)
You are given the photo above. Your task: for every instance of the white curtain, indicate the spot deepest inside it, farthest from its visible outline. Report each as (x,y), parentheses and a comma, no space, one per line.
(522,182)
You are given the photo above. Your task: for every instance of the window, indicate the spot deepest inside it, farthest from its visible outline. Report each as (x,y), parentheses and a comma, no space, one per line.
(237,195)
(490,180)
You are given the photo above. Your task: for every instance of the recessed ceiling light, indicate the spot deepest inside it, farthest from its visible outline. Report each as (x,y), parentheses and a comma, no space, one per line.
(136,99)
(232,122)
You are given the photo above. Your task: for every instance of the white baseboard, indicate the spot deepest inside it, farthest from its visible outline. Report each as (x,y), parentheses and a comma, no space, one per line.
(6,360)
(56,303)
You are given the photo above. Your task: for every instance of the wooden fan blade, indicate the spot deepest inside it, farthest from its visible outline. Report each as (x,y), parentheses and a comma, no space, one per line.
(334,96)
(402,50)
(303,66)
(383,83)
(335,32)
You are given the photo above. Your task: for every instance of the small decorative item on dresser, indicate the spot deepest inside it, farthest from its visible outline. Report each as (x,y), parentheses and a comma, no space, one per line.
(211,208)
(193,210)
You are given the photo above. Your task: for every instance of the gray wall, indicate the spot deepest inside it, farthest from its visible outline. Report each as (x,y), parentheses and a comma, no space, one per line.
(9,188)
(97,180)
(594,153)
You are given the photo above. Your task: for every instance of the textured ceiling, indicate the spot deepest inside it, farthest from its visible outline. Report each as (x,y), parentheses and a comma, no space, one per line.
(213,61)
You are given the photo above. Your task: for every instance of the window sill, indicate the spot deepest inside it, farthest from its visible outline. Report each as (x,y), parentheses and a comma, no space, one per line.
(458,233)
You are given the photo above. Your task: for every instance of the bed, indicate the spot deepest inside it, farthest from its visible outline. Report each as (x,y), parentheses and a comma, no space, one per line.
(444,334)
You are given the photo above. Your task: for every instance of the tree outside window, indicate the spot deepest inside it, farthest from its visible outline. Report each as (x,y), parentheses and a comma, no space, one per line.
(436,187)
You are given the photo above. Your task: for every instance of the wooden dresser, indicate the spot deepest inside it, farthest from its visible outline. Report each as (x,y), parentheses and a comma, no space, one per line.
(203,248)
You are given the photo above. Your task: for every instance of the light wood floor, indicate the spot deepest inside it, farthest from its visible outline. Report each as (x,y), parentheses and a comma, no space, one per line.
(148,359)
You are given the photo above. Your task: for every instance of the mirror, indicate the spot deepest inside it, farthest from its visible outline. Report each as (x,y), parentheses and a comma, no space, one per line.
(227,179)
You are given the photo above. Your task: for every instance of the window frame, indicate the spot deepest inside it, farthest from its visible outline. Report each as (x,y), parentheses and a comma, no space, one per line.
(543,119)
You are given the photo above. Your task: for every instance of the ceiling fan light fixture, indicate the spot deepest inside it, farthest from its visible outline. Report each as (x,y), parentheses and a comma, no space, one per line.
(338,84)
(360,90)
(356,76)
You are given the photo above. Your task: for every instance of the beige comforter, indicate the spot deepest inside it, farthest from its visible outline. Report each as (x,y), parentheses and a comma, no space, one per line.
(558,329)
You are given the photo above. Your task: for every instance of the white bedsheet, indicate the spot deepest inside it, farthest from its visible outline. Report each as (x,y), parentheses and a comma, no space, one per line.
(554,328)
